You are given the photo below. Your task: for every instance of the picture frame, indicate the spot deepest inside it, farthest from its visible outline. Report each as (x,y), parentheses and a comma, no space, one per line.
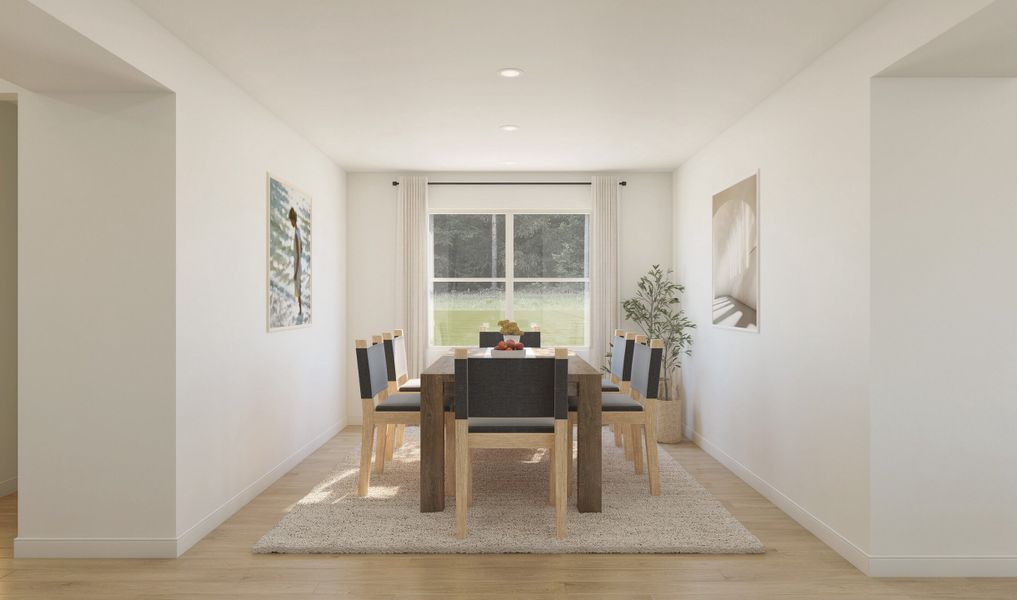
(288,276)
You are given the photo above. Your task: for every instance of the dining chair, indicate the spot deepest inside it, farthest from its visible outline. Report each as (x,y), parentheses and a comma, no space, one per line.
(398,377)
(617,379)
(511,403)
(382,409)
(490,339)
(395,359)
(636,412)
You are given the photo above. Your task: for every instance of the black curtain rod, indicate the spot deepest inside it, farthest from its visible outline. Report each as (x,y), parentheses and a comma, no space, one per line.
(511,183)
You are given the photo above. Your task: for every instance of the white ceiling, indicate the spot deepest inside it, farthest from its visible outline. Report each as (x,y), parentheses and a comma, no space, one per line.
(413,84)
(984,45)
(39,53)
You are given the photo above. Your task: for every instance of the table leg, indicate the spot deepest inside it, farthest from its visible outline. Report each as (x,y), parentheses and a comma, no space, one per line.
(588,459)
(432,444)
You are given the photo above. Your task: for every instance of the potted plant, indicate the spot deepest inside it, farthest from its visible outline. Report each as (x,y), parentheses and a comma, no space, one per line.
(656,310)
(510,330)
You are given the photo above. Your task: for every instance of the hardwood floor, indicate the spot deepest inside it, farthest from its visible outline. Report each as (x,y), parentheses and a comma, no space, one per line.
(221,566)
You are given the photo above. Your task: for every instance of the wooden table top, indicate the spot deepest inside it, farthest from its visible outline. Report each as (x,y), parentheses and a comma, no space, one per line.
(445,365)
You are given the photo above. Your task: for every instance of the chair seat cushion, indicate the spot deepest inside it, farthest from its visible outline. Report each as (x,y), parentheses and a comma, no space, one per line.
(612,403)
(607,386)
(405,402)
(511,424)
(411,385)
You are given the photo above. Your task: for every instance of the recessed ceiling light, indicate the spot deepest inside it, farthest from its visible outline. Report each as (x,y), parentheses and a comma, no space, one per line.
(510,72)
(508,162)
(509,127)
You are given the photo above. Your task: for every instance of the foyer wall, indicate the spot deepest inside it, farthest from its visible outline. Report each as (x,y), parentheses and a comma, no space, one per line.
(8,297)
(787,408)
(246,405)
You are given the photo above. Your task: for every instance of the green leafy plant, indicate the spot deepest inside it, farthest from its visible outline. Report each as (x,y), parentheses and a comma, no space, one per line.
(656,310)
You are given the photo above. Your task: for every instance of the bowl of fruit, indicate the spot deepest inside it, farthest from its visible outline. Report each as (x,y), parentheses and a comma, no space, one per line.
(508,349)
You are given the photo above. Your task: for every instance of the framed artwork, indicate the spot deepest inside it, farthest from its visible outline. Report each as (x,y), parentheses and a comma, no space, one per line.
(736,256)
(289,256)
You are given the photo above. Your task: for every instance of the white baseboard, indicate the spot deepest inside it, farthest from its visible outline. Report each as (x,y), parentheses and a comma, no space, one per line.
(95,547)
(218,516)
(829,536)
(8,487)
(872,565)
(166,547)
(943,566)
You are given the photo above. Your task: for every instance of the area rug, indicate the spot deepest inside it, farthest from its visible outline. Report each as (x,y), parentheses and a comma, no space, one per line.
(510,513)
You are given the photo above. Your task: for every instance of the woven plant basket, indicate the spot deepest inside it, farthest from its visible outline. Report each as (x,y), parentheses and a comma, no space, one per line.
(670,416)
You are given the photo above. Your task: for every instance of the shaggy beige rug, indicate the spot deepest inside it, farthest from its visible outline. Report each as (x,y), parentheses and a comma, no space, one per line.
(510,513)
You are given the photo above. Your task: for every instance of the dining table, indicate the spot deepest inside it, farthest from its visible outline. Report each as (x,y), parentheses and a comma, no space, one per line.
(438,381)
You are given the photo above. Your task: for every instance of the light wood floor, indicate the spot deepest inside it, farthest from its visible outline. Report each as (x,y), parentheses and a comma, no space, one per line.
(221,566)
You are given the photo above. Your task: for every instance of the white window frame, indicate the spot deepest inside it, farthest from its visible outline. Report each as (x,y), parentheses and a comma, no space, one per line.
(509,278)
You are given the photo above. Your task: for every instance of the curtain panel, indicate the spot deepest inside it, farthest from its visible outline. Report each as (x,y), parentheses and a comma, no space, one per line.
(412,230)
(605,303)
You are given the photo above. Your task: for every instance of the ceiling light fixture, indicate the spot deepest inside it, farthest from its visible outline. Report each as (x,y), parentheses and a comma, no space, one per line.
(510,72)
(509,127)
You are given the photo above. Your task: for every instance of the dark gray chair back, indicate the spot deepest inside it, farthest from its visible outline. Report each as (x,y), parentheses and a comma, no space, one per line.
(621,357)
(646,370)
(490,339)
(395,355)
(372,370)
(511,387)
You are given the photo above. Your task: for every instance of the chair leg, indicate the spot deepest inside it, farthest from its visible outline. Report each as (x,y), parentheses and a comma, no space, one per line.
(379,451)
(366,440)
(462,475)
(450,455)
(469,475)
(400,434)
(617,435)
(652,463)
(390,441)
(561,455)
(637,449)
(569,448)
(626,441)
(551,473)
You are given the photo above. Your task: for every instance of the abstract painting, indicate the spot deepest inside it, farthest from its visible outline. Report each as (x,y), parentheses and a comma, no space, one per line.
(289,256)
(736,256)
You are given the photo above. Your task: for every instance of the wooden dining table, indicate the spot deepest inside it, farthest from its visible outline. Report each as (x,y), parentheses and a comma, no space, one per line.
(438,379)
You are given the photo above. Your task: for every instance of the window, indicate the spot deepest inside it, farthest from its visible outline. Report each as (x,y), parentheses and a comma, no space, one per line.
(531,268)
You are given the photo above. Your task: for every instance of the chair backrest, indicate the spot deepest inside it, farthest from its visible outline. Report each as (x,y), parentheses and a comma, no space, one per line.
(530,339)
(395,355)
(646,366)
(371,368)
(490,339)
(622,347)
(511,387)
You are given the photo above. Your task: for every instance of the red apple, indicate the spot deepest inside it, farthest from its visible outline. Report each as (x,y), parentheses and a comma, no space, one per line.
(501,346)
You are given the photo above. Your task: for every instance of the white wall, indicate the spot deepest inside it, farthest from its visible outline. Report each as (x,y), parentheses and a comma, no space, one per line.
(944,339)
(787,408)
(96,321)
(8,297)
(645,235)
(645,239)
(248,405)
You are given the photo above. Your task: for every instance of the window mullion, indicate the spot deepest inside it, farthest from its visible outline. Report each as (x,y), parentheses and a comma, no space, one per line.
(510,265)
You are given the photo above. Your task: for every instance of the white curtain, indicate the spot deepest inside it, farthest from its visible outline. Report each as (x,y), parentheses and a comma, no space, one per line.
(412,232)
(605,304)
